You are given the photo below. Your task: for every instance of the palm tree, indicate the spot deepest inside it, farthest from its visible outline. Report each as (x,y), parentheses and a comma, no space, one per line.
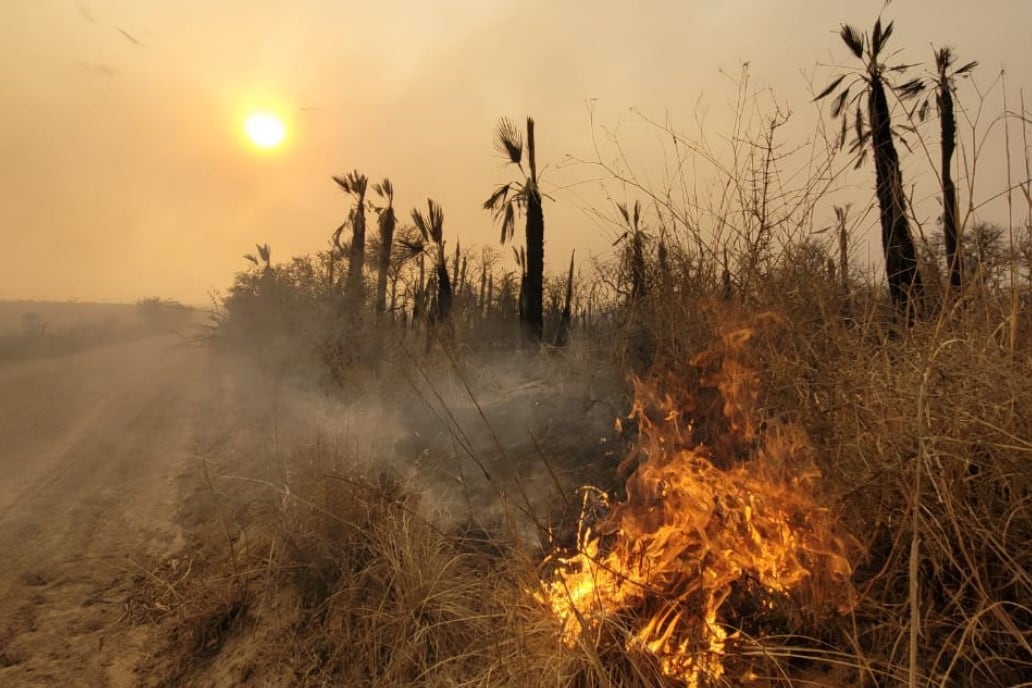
(431,227)
(507,202)
(355,184)
(386,221)
(264,254)
(905,285)
(562,337)
(635,235)
(944,85)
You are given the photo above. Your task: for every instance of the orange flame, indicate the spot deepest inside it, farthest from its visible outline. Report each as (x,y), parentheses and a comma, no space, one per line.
(658,569)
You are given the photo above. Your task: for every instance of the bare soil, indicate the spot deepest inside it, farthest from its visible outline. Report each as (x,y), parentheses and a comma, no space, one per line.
(91,447)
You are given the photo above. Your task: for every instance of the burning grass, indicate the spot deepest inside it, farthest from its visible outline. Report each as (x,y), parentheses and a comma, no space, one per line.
(713,544)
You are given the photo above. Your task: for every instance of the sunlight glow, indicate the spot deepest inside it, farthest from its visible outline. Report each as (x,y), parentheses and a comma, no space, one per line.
(265,129)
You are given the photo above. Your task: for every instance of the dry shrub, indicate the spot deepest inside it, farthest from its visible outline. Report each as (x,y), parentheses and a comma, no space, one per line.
(922,433)
(343,581)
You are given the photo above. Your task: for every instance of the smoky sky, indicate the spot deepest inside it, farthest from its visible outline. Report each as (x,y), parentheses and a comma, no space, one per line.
(123,173)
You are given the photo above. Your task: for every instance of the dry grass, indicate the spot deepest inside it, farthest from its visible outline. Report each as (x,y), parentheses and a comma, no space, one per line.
(922,434)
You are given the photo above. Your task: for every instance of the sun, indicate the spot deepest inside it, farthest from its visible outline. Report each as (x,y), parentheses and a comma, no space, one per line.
(265,129)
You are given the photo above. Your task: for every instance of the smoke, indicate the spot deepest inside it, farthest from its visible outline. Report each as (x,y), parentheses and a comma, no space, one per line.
(491,440)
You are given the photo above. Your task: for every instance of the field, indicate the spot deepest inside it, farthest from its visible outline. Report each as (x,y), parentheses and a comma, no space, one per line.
(729,453)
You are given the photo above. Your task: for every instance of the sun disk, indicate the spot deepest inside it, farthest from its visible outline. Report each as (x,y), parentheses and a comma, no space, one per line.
(265,129)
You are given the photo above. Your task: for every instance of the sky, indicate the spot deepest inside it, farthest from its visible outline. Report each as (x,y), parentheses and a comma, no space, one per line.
(124,172)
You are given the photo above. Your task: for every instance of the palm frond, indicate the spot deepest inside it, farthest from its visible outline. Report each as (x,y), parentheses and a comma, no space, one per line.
(840,103)
(343,183)
(413,247)
(859,122)
(880,36)
(435,213)
(385,190)
(966,68)
(622,207)
(900,68)
(421,224)
(353,182)
(860,160)
(860,142)
(337,232)
(853,39)
(508,222)
(911,89)
(499,197)
(830,87)
(509,140)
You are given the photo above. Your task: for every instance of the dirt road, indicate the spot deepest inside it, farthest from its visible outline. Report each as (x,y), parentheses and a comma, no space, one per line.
(91,446)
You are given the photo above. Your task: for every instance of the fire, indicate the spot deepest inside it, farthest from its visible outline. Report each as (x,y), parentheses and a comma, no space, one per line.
(659,572)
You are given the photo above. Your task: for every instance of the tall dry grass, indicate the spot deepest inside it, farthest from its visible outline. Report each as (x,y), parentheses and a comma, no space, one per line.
(922,433)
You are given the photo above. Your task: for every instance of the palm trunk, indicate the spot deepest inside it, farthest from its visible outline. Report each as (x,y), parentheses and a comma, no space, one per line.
(950,221)
(444,290)
(843,255)
(563,336)
(386,223)
(357,254)
(483,292)
(905,285)
(637,267)
(535,280)
(419,308)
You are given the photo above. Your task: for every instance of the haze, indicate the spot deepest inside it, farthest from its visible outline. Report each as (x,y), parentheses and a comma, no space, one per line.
(125,173)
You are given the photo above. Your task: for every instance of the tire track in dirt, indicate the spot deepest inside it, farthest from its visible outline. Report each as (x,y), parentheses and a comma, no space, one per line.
(91,447)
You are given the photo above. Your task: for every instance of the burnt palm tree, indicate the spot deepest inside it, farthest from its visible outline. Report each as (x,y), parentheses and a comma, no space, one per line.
(431,228)
(386,221)
(355,184)
(264,256)
(507,202)
(562,337)
(943,83)
(635,236)
(875,127)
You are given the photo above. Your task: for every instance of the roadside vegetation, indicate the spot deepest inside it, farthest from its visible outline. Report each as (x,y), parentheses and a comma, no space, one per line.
(34,330)
(815,474)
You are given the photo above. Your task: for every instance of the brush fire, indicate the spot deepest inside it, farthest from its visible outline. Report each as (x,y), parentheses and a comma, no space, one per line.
(720,528)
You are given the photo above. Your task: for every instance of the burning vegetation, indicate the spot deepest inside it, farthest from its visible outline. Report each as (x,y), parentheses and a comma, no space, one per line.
(721,534)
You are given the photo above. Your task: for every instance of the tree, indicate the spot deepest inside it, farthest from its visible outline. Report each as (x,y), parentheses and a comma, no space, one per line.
(386,221)
(635,236)
(507,202)
(944,85)
(355,184)
(905,285)
(431,228)
(562,337)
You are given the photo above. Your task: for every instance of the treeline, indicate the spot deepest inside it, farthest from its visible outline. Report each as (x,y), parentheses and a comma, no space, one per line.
(402,274)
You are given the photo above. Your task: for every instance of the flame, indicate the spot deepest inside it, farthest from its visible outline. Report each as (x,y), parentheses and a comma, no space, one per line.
(657,571)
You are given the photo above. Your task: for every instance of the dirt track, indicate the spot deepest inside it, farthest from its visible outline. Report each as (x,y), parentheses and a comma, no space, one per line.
(91,446)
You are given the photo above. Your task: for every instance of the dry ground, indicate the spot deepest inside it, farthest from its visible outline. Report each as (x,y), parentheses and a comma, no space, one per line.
(91,446)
